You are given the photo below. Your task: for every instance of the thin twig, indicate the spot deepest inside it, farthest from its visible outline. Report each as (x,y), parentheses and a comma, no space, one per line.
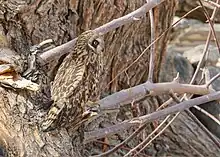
(202,58)
(210,135)
(208,114)
(174,96)
(148,137)
(165,104)
(158,133)
(152,49)
(125,148)
(122,143)
(213,3)
(211,22)
(207,77)
(212,80)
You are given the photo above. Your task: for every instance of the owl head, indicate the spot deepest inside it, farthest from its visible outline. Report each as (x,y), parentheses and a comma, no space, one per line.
(90,42)
(95,42)
(90,47)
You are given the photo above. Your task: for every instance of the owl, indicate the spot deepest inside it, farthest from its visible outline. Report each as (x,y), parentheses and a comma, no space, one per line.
(76,83)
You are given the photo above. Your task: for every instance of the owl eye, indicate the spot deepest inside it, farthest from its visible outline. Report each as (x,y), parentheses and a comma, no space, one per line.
(95,43)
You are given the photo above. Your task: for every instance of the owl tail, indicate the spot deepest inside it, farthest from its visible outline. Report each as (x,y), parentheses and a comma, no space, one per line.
(52,117)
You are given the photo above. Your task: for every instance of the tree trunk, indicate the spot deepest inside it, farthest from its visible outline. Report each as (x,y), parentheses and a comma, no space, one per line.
(28,23)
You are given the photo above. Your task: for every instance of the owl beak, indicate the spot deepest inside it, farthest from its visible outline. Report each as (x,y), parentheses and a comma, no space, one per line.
(93,49)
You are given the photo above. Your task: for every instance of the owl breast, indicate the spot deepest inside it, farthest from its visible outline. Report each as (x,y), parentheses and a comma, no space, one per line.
(87,90)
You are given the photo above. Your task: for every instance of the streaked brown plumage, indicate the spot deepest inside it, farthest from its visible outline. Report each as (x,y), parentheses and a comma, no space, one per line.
(76,83)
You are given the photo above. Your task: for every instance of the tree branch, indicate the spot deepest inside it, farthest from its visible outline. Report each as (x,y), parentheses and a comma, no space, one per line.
(90,136)
(67,47)
(138,92)
(152,49)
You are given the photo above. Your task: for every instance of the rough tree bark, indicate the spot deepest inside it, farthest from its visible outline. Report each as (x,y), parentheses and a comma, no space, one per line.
(26,23)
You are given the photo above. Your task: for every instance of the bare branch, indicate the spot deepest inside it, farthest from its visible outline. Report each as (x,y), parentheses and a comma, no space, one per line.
(124,141)
(67,47)
(200,64)
(145,143)
(148,89)
(90,136)
(214,12)
(152,49)
(136,132)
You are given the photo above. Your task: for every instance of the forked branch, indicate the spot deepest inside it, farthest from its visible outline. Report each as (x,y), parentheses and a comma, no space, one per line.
(90,136)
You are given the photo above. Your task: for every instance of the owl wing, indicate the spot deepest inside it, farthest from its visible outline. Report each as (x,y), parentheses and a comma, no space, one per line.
(67,78)
(66,81)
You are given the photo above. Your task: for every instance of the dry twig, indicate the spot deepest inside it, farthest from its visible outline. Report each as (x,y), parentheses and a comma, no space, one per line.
(152,48)
(146,139)
(213,3)
(208,115)
(212,80)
